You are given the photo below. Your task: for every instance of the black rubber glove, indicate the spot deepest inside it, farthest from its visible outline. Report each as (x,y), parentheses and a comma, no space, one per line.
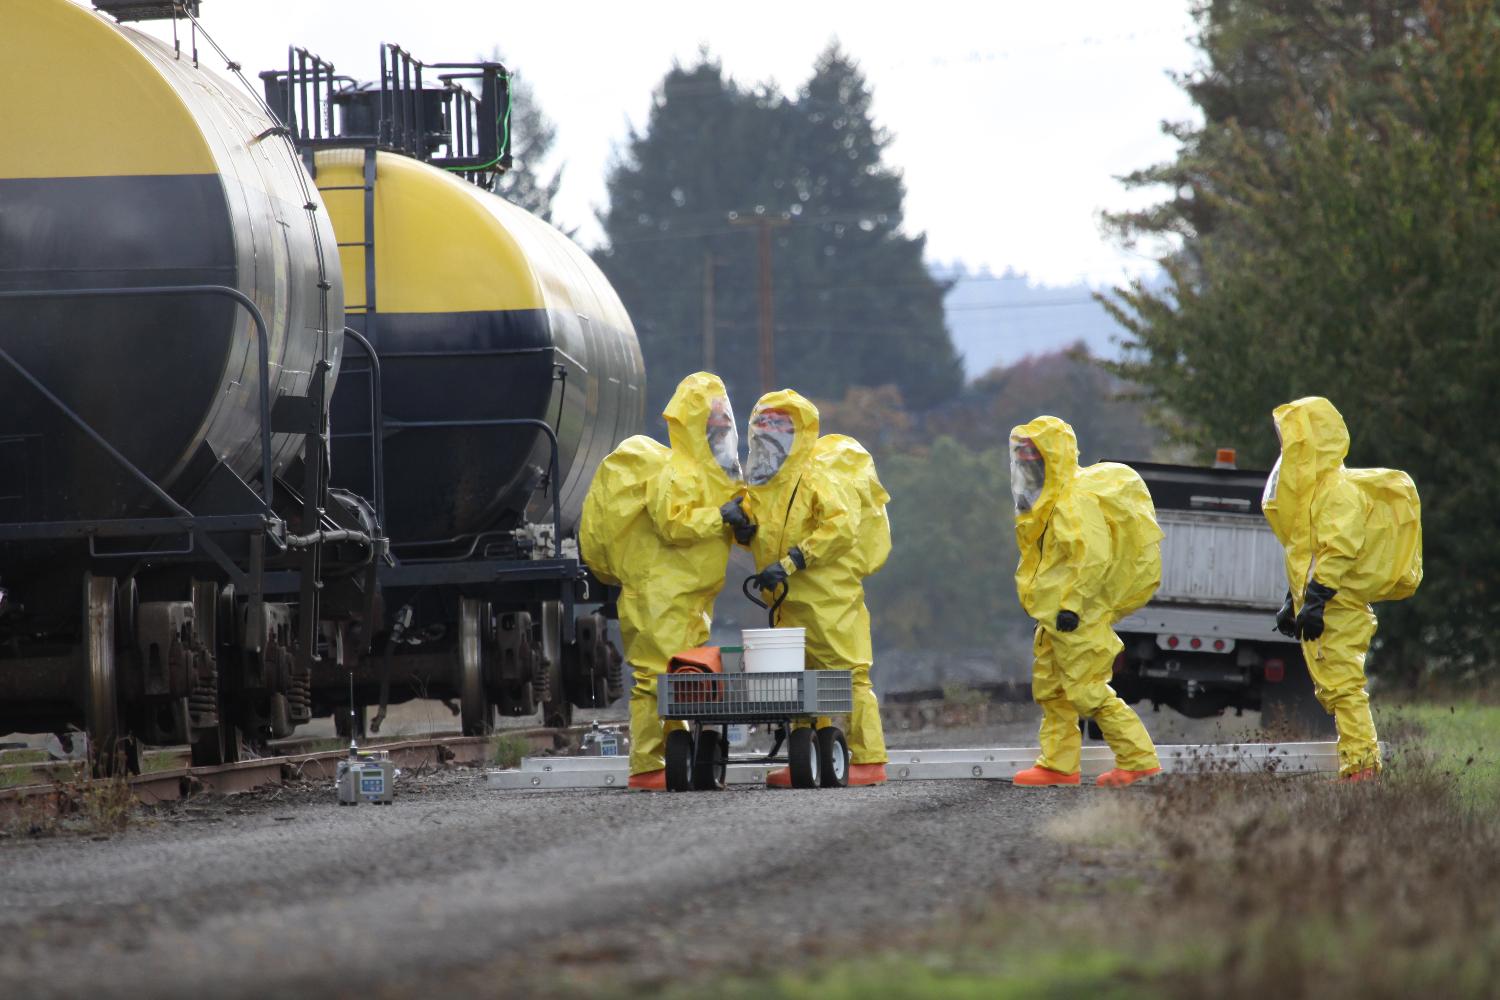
(1286,618)
(734,515)
(771,577)
(1067,621)
(1310,621)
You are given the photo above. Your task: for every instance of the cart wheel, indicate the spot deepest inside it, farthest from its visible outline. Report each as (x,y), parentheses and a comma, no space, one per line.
(710,761)
(679,761)
(833,757)
(802,755)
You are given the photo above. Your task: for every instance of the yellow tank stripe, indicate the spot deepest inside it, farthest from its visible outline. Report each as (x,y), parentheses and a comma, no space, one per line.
(441,245)
(82,101)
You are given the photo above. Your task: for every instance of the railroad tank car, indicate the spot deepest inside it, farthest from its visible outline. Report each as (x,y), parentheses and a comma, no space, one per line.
(483,312)
(486,322)
(132,452)
(128,165)
(496,370)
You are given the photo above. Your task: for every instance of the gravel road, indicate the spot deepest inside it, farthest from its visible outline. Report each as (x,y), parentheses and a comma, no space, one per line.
(283,893)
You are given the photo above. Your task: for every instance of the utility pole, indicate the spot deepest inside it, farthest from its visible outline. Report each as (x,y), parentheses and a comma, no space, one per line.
(709,262)
(764,224)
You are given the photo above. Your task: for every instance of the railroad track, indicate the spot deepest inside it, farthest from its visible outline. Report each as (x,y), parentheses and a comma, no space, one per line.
(173,784)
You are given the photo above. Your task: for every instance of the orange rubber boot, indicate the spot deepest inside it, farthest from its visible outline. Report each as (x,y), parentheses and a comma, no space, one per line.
(866,774)
(1041,777)
(779,778)
(1366,774)
(649,781)
(1119,777)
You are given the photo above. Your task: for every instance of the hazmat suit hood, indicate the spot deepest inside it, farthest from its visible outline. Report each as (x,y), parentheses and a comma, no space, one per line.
(1314,444)
(783,430)
(696,416)
(1053,439)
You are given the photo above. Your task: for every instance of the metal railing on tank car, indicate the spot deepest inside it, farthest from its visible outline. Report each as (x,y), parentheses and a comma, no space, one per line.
(184,519)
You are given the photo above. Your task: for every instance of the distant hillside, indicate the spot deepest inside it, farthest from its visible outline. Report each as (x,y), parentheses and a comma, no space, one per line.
(999,319)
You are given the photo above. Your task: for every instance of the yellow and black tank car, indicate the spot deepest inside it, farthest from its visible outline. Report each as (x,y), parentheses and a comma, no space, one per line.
(125,164)
(482,312)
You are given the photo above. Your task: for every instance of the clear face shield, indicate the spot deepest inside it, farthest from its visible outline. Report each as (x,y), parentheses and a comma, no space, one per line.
(1269,496)
(1028,473)
(724,437)
(771,437)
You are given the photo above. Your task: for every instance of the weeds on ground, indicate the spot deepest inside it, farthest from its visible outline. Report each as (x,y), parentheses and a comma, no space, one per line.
(163,760)
(1460,738)
(11,777)
(1235,886)
(80,805)
(28,756)
(509,748)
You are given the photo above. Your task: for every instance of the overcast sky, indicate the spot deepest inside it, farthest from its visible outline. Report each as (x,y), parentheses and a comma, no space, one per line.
(1011,119)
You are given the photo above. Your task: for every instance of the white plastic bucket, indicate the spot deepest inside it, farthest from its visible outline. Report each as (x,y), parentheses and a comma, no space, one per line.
(774,649)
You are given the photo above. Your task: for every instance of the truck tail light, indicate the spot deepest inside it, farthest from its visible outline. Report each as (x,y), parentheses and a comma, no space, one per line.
(1275,671)
(1172,641)
(1196,642)
(1218,645)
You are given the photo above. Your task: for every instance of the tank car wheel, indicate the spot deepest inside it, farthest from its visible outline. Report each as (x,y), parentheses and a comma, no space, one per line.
(101,709)
(710,761)
(476,712)
(216,610)
(802,756)
(833,757)
(679,761)
(557,710)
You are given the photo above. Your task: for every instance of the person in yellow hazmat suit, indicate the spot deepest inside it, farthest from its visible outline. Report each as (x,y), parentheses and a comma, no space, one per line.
(1066,553)
(1320,516)
(820,527)
(659,522)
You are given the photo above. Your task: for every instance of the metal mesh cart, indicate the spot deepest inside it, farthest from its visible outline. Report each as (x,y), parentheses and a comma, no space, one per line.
(698,757)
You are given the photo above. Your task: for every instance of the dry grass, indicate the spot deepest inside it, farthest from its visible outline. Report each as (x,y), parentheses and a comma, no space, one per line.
(1237,886)
(79,806)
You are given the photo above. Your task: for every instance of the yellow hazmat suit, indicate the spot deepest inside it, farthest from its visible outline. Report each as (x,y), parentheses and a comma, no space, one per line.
(821,496)
(1066,554)
(1320,516)
(651,523)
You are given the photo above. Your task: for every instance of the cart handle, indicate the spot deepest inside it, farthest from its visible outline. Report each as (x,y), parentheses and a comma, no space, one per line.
(771,608)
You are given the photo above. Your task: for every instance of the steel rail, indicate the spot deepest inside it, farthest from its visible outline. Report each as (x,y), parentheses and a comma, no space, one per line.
(228,779)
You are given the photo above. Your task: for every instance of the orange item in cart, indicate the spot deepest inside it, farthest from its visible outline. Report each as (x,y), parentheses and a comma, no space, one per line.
(700,660)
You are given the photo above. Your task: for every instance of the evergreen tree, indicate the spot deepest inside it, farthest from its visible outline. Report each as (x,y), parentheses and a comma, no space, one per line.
(1356,260)
(853,303)
(532,136)
(1257,56)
